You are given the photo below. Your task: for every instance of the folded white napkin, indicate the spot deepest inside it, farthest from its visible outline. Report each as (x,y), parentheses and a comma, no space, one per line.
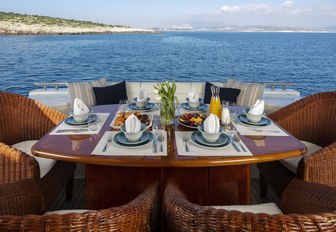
(225,117)
(79,107)
(193,97)
(132,124)
(211,124)
(142,95)
(257,108)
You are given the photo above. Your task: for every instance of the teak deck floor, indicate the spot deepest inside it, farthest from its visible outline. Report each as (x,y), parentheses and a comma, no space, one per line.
(77,201)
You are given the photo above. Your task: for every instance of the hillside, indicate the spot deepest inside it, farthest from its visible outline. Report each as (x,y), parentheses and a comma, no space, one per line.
(21,24)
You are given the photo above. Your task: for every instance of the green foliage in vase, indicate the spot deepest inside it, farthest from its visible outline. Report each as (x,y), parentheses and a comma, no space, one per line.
(166,94)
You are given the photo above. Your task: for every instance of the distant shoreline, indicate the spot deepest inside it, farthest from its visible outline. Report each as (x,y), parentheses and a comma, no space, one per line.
(10,28)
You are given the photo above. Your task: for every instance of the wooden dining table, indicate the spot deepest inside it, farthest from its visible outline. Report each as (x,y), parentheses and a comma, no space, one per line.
(206,180)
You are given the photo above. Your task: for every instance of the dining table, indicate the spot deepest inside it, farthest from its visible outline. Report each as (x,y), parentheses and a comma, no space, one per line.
(207,176)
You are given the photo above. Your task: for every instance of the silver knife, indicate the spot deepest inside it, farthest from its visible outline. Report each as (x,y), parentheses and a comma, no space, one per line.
(237,140)
(155,142)
(235,146)
(72,130)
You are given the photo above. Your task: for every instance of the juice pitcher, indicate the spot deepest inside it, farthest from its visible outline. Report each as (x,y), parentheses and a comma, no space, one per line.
(215,102)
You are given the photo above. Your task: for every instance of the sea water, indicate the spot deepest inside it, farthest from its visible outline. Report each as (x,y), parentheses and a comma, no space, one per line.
(306,59)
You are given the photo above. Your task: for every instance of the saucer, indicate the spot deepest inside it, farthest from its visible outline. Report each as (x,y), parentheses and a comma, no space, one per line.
(121,138)
(149,106)
(193,139)
(223,138)
(71,121)
(149,140)
(263,121)
(201,107)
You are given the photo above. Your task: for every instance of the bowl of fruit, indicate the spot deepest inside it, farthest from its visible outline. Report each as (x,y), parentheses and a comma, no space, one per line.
(192,120)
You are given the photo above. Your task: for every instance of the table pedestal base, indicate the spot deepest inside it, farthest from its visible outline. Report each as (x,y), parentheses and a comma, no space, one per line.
(108,186)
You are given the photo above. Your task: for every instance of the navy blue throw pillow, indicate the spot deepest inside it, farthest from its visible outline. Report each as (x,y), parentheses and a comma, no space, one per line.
(225,94)
(111,94)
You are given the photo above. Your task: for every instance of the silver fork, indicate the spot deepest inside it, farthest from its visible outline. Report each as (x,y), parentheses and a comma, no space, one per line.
(109,140)
(161,139)
(185,140)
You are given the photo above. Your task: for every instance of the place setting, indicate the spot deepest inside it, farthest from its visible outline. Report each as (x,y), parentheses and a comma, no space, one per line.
(141,102)
(194,102)
(81,121)
(132,136)
(211,137)
(253,122)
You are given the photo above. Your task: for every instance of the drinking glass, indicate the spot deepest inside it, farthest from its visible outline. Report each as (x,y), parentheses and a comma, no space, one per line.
(232,108)
(180,110)
(93,125)
(157,125)
(123,105)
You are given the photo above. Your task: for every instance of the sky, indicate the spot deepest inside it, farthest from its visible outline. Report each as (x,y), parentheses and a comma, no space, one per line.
(200,13)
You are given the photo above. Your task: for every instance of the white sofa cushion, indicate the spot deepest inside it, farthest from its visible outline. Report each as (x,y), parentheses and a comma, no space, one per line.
(249,92)
(269,208)
(84,91)
(44,163)
(65,211)
(292,163)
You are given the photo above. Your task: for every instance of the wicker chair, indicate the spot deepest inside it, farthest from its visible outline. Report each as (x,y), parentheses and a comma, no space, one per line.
(300,197)
(141,214)
(311,119)
(22,120)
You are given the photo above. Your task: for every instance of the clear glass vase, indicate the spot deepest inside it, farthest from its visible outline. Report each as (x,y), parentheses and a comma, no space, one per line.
(167,112)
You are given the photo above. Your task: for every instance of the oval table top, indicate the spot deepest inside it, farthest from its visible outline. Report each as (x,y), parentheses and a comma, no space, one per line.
(263,148)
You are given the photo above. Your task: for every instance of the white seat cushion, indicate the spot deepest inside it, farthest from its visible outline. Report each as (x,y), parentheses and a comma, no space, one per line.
(65,211)
(44,163)
(292,163)
(269,208)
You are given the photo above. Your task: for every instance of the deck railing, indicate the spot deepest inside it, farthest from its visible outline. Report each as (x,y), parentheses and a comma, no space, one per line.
(273,85)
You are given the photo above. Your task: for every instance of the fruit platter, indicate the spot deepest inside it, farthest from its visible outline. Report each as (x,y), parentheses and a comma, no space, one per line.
(191,120)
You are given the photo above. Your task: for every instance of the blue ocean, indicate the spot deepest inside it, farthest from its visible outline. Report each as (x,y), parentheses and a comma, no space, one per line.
(306,59)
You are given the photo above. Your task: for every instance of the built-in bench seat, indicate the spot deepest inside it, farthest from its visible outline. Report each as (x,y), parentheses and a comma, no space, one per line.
(60,99)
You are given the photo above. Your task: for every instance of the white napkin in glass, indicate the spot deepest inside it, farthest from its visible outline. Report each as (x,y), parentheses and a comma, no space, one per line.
(257,108)
(79,107)
(132,124)
(211,124)
(142,95)
(225,117)
(193,97)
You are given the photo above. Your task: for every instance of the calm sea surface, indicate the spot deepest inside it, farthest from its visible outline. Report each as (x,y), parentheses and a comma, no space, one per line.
(306,59)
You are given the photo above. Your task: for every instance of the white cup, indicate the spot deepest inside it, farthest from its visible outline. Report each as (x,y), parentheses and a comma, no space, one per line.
(81,117)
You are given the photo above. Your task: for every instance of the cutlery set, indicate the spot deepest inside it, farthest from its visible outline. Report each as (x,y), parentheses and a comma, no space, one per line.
(186,138)
(158,138)
(72,130)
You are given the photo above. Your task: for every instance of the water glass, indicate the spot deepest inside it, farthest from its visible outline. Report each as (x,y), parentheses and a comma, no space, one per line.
(232,108)
(123,105)
(93,125)
(157,125)
(180,109)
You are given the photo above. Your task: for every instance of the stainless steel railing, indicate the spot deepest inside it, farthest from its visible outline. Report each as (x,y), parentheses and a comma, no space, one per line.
(273,85)
(55,85)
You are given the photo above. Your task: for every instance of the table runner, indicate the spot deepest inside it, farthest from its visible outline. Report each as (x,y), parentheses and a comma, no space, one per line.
(116,150)
(200,151)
